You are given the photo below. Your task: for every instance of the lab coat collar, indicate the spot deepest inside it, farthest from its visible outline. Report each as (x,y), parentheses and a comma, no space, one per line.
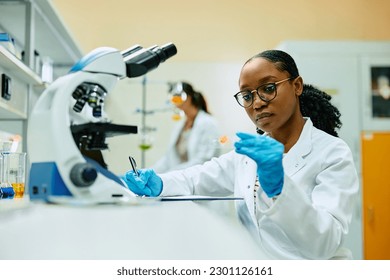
(294,160)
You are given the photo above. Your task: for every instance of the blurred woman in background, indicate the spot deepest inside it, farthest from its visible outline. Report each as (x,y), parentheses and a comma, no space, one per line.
(194,139)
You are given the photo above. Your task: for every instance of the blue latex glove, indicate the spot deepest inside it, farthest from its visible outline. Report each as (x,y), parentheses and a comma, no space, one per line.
(147,183)
(268,154)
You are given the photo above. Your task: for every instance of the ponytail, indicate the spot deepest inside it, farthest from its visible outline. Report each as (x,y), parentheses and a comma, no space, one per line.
(316,105)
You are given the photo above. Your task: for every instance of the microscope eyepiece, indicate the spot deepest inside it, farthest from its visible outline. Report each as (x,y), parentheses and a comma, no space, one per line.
(139,61)
(165,51)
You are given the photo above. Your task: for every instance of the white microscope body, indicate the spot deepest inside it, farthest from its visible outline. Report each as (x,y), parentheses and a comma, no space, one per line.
(69,118)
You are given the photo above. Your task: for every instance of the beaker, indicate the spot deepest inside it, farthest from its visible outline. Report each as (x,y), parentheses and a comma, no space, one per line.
(177,114)
(17,172)
(146,138)
(145,141)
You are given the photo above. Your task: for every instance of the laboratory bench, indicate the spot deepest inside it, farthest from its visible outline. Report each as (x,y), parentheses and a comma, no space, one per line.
(149,229)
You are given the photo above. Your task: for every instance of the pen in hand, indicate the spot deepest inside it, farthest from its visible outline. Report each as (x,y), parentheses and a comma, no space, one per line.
(133,165)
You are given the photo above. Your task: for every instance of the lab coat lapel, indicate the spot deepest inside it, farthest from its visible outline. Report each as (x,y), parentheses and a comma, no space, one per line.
(247,171)
(294,160)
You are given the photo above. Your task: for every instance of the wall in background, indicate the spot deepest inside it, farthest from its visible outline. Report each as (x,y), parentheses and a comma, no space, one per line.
(221,30)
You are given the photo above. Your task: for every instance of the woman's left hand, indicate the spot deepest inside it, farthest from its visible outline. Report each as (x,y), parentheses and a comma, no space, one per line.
(268,154)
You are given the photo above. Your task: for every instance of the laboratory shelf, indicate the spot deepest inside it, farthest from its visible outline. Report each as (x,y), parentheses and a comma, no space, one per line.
(15,66)
(9,112)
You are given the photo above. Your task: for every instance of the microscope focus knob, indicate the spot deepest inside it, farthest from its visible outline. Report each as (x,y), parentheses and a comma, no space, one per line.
(83,174)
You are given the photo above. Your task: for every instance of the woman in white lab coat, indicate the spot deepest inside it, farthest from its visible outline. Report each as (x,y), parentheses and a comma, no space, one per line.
(297,178)
(194,139)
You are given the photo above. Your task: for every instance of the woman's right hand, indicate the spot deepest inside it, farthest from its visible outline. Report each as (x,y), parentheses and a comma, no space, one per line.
(147,183)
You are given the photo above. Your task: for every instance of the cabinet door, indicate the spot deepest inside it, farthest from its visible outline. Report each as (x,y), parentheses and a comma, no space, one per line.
(376,194)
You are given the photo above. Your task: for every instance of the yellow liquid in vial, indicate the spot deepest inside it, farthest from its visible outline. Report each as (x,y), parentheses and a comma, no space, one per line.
(18,189)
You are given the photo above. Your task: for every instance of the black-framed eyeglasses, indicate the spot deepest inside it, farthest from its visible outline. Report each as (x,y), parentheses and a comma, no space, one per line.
(265,92)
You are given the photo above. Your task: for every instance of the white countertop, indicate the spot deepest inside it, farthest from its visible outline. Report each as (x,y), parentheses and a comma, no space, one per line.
(155,230)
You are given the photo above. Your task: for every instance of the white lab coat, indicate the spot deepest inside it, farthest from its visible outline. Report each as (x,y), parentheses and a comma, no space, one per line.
(202,144)
(312,214)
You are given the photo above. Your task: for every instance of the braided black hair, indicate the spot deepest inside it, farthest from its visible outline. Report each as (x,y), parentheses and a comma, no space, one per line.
(316,104)
(313,102)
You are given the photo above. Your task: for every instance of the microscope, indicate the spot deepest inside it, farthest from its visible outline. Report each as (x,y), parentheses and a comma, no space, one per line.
(68,127)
